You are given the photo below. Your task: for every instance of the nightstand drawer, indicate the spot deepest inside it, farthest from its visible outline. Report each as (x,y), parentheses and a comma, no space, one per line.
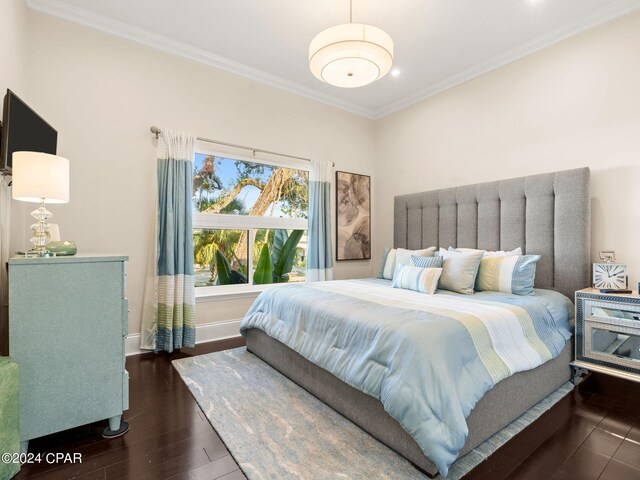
(612,343)
(608,333)
(607,311)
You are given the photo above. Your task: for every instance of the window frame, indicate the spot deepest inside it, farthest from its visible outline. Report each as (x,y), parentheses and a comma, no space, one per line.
(225,221)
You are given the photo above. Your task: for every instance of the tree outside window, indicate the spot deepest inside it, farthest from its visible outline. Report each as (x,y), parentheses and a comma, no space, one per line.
(250,221)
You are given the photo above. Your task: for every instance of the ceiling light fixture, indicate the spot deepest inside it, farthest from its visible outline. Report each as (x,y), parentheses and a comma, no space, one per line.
(351,55)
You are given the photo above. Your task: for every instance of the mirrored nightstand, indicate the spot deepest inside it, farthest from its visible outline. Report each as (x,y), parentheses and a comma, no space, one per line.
(607,334)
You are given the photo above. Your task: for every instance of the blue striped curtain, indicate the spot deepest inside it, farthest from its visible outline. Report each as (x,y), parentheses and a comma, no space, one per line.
(319,256)
(170,322)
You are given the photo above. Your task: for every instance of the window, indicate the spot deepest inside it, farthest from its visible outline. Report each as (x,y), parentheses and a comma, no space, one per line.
(249,222)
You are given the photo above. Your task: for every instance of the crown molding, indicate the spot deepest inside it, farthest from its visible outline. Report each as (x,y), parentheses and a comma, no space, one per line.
(600,16)
(78,15)
(160,42)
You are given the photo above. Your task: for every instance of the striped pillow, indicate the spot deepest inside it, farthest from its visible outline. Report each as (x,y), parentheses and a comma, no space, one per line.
(424,280)
(426,262)
(512,274)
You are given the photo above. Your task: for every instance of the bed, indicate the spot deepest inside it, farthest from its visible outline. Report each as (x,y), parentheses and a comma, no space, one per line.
(545,214)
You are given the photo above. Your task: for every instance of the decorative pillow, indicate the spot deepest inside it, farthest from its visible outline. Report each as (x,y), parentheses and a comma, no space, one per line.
(459,271)
(510,274)
(397,256)
(427,262)
(424,280)
(403,256)
(489,254)
(389,256)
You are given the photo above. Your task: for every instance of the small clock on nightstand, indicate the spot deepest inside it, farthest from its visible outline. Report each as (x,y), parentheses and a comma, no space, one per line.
(610,275)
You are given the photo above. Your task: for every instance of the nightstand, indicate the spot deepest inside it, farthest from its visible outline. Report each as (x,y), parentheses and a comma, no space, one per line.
(607,334)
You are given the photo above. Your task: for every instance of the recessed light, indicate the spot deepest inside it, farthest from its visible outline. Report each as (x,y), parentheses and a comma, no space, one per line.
(395,72)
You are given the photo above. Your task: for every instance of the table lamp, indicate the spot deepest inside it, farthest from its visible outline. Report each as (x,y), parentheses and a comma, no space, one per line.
(39,178)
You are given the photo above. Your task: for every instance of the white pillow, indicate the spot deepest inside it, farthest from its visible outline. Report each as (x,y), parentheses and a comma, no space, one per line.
(459,270)
(403,256)
(489,254)
(400,256)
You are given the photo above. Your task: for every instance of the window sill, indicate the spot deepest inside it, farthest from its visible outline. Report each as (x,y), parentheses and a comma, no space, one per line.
(232,292)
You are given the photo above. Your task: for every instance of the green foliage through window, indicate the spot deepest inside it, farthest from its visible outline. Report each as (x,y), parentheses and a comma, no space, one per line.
(279,256)
(226,186)
(215,250)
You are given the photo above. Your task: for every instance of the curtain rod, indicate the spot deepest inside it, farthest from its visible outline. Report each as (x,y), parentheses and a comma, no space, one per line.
(156,131)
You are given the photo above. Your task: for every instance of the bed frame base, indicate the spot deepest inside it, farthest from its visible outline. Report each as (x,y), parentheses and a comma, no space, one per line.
(504,403)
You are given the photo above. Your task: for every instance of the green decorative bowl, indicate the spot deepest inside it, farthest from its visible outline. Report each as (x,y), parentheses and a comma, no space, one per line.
(62,248)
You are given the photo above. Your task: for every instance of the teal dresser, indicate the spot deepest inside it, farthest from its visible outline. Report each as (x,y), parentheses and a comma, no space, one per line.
(68,317)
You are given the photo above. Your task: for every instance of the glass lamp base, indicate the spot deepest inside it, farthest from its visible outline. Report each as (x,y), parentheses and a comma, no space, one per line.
(41,235)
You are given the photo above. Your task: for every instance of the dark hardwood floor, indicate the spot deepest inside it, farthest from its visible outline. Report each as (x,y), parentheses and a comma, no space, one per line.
(169,436)
(593,433)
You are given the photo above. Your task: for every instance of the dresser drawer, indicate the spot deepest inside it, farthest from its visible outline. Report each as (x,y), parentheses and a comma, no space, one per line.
(125,317)
(125,390)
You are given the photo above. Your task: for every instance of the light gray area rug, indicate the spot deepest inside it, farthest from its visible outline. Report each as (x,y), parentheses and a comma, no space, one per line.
(276,430)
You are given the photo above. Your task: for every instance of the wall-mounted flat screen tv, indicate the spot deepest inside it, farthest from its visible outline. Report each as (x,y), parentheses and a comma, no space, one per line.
(23,130)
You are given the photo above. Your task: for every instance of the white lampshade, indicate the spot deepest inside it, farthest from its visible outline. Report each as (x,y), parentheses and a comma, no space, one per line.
(351,55)
(38,176)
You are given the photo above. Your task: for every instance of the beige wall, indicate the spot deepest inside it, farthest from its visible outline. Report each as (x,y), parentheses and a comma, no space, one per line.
(13,47)
(13,36)
(571,105)
(103,93)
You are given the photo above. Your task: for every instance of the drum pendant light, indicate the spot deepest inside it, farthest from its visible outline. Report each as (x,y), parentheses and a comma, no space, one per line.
(351,55)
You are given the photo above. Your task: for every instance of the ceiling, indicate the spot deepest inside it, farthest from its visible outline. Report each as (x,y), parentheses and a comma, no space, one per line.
(438,43)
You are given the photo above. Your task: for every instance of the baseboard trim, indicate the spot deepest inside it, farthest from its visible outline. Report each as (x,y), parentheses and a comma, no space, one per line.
(208,332)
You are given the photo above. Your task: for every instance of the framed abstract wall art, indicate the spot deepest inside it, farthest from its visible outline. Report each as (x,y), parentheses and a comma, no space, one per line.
(353,216)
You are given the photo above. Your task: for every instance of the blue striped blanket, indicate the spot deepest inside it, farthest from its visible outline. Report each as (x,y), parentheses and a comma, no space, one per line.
(427,358)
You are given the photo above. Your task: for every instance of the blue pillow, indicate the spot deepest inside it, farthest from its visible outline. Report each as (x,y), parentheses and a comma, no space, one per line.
(426,262)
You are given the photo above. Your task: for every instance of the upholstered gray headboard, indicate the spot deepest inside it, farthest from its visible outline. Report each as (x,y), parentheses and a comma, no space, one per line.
(548,214)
